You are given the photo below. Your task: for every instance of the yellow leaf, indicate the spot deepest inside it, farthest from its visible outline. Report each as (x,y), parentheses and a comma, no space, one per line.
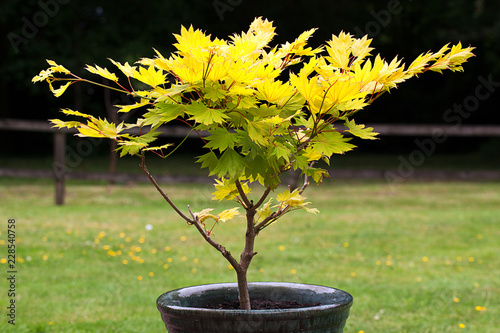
(58,92)
(150,76)
(57,68)
(265,211)
(126,69)
(102,72)
(205,214)
(128,108)
(273,91)
(228,214)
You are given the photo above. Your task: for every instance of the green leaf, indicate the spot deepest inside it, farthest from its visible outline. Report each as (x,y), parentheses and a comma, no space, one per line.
(214,94)
(231,163)
(169,94)
(280,151)
(208,160)
(221,139)
(163,113)
(258,132)
(360,131)
(331,142)
(205,115)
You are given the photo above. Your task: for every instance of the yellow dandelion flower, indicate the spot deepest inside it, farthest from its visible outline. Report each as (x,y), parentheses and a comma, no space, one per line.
(456,299)
(230,266)
(3,260)
(84,252)
(293,271)
(44,238)
(388,263)
(281,248)
(459,258)
(69,232)
(184,258)
(196,260)
(479,236)
(353,274)
(153,251)
(139,278)
(151,274)
(51,323)
(128,239)
(165,266)
(170,259)
(101,234)
(141,240)
(378,263)
(261,270)
(121,235)
(125,261)
(425,259)
(346,244)
(461,325)
(471,259)
(183,238)
(167,248)
(45,257)
(106,247)
(419,279)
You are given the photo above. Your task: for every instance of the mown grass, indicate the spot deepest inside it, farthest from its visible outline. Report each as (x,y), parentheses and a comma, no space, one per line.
(417,257)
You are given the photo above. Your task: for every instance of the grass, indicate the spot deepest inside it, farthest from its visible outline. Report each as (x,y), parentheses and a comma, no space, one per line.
(417,257)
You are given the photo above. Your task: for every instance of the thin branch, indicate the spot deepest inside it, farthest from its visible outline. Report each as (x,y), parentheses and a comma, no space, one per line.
(225,253)
(163,194)
(280,212)
(247,203)
(264,196)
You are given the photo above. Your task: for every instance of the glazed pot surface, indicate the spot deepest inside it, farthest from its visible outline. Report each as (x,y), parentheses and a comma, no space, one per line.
(183,309)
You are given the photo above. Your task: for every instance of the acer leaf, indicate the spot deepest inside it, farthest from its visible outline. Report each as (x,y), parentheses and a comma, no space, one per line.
(230,163)
(204,115)
(150,76)
(208,160)
(360,130)
(221,139)
(258,132)
(102,72)
(332,142)
(163,113)
(228,214)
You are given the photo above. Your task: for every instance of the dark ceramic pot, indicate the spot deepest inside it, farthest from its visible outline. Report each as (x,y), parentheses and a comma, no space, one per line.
(182,311)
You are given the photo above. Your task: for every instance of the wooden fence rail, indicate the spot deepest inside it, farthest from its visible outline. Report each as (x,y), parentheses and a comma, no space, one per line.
(179,131)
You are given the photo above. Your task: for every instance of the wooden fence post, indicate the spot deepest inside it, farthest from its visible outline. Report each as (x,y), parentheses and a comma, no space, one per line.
(59,166)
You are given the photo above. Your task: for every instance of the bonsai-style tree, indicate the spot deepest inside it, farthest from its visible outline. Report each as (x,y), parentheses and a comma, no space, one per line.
(267,110)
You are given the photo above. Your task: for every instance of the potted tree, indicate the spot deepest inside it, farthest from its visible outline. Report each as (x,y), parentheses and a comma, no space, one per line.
(267,110)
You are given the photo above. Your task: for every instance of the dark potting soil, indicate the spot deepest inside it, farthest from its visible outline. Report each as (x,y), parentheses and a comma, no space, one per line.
(261,304)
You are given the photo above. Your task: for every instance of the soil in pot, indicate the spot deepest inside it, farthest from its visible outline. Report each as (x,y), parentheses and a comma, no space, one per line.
(261,304)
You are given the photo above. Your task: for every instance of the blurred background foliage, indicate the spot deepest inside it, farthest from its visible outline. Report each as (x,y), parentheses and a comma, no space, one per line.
(77,32)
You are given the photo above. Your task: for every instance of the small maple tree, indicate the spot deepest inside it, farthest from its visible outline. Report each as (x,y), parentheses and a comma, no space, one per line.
(259,126)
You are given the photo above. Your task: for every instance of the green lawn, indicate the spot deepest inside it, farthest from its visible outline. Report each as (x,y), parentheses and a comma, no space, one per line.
(417,257)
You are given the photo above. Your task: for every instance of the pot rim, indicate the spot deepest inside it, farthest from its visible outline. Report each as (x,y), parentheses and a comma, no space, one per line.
(319,289)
